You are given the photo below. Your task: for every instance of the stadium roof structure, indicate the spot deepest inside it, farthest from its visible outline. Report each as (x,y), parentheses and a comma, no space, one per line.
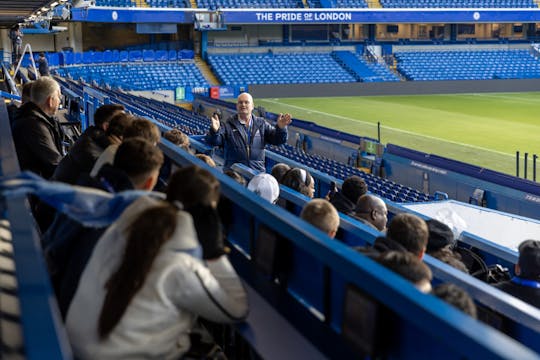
(15,11)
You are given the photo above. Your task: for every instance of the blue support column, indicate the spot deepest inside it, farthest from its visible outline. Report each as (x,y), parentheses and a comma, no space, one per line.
(204,44)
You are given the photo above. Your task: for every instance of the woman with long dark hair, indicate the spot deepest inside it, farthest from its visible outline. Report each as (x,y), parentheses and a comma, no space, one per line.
(146,284)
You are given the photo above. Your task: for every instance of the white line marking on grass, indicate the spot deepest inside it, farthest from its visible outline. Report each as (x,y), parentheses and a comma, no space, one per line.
(390,128)
(508,96)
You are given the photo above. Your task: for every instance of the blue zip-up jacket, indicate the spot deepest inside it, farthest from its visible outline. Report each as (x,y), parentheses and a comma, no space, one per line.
(233,137)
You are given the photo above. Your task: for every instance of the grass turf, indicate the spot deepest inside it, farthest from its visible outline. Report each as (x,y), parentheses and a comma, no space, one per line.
(481,129)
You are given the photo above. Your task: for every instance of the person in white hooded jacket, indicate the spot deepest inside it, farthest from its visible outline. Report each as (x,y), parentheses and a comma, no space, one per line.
(146,284)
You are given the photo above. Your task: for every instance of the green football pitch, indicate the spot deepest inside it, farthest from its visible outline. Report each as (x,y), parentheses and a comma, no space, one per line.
(480,129)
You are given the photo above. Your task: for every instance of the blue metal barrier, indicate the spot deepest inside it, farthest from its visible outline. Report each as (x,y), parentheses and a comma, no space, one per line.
(520,320)
(419,316)
(42,329)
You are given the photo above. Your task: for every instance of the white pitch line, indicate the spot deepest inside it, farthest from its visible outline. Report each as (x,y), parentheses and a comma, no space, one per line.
(391,128)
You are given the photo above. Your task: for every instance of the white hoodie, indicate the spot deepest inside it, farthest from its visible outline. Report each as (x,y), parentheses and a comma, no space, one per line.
(178,288)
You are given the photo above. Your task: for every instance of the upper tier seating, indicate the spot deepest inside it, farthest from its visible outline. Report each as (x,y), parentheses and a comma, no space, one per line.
(271,68)
(351,4)
(468,65)
(147,76)
(169,3)
(261,4)
(458,4)
(116,3)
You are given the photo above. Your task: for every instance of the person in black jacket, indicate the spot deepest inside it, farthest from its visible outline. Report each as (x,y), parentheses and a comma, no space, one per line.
(68,244)
(243,136)
(83,154)
(372,211)
(36,132)
(526,284)
(345,200)
(406,233)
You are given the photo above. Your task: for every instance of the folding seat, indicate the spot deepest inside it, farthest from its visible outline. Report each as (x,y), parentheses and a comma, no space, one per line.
(107,56)
(135,55)
(97,57)
(87,57)
(123,56)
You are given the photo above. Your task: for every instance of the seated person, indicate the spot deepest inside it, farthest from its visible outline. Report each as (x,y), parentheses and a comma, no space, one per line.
(345,200)
(279,170)
(139,127)
(299,180)
(266,186)
(146,282)
(406,233)
(235,176)
(206,159)
(180,139)
(408,266)
(67,244)
(440,243)
(177,137)
(526,284)
(457,297)
(323,215)
(83,154)
(371,211)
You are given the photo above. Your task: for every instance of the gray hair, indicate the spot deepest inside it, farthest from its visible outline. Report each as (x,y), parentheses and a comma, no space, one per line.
(42,89)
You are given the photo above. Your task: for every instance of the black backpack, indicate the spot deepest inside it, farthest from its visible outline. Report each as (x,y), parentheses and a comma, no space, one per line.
(492,274)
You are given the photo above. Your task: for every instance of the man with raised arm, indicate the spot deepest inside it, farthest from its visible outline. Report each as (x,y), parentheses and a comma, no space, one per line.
(244,135)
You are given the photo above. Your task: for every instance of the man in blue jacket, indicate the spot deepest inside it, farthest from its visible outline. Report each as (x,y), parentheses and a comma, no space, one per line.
(244,135)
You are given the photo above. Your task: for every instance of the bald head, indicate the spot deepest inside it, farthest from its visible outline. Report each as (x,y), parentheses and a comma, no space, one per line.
(373,210)
(244,106)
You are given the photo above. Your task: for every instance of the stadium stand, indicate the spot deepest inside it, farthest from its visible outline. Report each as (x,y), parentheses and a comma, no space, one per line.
(458,4)
(259,4)
(379,186)
(116,3)
(468,65)
(362,69)
(351,4)
(270,68)
(147,76)
(168,3)
(353,276)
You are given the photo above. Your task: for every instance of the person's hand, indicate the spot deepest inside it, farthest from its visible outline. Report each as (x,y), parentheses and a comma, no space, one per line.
(208,226)
(115,140)
(284,120)
(215,123)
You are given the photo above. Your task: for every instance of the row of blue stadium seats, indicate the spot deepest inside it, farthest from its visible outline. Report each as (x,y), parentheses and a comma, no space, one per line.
(468,65)
(269,68)
(139,76)
(116,3)
(382,187)
(214,4)
(169,3)
(112,56)
(458,4)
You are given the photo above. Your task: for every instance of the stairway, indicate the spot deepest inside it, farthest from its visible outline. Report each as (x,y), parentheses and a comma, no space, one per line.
(206,71)
(141,3)
(376,4)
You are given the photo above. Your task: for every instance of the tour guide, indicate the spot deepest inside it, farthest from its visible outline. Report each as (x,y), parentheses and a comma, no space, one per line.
(243,136)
